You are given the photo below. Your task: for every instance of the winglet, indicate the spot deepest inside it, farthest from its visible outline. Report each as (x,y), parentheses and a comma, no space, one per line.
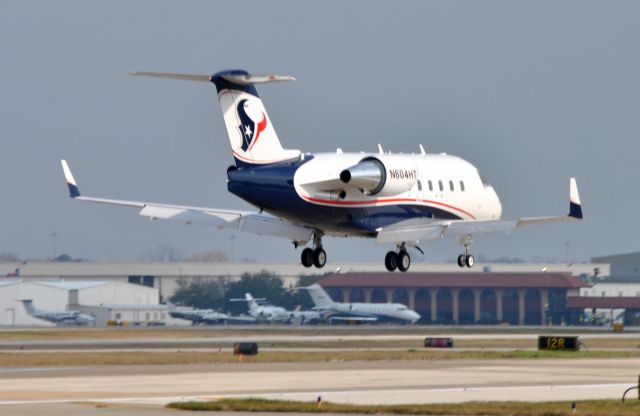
(575,208)
(74,191)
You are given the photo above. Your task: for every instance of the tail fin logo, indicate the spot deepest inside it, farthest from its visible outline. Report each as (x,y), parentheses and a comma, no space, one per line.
(249,129)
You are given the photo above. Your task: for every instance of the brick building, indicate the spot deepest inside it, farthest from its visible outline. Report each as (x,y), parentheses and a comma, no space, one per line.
(463,297)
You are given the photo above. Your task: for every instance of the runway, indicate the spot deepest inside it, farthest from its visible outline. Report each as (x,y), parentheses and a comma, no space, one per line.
(349,382)
(144,390)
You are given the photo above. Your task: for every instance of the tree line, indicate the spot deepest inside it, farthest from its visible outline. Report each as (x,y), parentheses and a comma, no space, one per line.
(217,293)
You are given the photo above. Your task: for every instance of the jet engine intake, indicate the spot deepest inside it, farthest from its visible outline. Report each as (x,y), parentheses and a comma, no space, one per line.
(369,175)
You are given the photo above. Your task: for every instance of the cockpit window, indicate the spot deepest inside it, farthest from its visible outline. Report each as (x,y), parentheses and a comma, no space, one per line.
(484,181)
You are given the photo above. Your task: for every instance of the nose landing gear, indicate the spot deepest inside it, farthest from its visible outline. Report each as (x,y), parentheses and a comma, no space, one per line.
(466,259)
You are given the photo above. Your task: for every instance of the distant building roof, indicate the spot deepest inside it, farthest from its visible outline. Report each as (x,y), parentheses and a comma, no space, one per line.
(585,302)
(73,284)
(454,280)
(626,258)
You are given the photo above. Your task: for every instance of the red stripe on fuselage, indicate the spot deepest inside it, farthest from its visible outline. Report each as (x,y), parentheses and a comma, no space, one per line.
(386,200)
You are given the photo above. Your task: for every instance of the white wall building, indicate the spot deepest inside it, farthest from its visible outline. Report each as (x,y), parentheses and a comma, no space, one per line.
(612,290)
(164,276)
(60,295)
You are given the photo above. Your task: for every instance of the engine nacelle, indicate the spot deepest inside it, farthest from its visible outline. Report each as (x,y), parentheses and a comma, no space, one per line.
(383,175)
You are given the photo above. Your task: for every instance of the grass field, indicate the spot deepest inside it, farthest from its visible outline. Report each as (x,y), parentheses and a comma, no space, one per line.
(36,359)
(222,331)
(593,408)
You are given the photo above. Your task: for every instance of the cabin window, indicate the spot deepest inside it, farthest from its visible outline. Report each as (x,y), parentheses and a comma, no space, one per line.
(419,186)
(440,185)
(430,185)
(462,186)
(451,185)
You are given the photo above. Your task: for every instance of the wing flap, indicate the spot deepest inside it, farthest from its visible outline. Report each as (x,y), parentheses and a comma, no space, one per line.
(252,222)
(255,223)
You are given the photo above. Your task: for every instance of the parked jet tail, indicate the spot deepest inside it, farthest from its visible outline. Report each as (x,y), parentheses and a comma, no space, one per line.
(253,139)
(320,298)
(28,306)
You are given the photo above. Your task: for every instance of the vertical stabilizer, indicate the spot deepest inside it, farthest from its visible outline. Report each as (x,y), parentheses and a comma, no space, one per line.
(28,306)
(252,136)
(253,139)
(253,305)
(320,298)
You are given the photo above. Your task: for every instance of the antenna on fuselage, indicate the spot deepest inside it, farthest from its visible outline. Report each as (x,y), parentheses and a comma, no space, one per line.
(380,150)
(422,151)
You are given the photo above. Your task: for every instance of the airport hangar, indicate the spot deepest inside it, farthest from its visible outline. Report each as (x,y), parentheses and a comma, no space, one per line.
(105,300)
(529,294)
(164,276)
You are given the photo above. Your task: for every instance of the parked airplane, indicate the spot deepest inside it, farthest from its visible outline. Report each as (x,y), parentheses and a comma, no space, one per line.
(205,316)
(363,312)
(58,317)
(395,198)
(277,314)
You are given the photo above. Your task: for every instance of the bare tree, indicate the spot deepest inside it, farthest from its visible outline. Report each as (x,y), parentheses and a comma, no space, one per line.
(212,256)
(164,253)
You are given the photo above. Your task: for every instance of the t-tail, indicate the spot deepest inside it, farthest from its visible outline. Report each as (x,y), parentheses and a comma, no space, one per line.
(320,298)
(252,136)
(251,302)
(28,306)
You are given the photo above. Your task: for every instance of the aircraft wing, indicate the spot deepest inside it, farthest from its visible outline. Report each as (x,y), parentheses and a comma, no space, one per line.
(427,229)
(253,222)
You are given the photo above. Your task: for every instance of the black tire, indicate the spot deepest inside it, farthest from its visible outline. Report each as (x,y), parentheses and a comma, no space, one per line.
(319,258)
(469,261)
(404,261)
(461,260)
(307,257)
(391,261)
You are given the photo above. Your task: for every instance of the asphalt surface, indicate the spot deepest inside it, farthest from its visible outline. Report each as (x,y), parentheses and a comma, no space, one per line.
(349,382)
(144,389)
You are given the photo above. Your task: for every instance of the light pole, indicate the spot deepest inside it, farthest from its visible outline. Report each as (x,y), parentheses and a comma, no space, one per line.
(231,241)
(53,245)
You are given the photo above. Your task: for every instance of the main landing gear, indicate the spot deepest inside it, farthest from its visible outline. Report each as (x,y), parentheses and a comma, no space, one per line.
(466,259)
(399,259)
(314,256)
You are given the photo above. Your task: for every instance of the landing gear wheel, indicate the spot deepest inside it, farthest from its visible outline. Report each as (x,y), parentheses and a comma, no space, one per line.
(461,260)
(469,261)
(307,257)
(404,261)
(391,261)
(319,257)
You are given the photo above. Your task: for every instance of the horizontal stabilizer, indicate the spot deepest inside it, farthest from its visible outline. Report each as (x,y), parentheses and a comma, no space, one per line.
(170,75)
(256,79)
(234,79)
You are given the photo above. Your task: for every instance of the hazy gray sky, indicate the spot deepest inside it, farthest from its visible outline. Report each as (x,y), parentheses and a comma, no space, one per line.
(530,92)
